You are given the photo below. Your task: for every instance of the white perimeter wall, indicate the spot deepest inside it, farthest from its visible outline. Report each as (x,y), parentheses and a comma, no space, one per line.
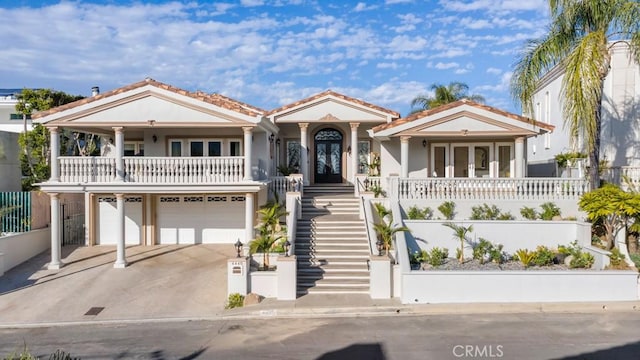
(419,287)
(18,248)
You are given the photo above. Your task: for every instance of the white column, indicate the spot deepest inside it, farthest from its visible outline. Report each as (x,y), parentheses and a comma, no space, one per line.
(119,153)
(54,147)
(304,167)
(121,262)
(248,218)
(248,144)
(519,157)
(404,156)
(354,151)
(87,216)
(56,245)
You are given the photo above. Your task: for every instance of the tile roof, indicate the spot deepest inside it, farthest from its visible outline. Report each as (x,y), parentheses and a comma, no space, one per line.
(215,99)
(429,112)
(337,95)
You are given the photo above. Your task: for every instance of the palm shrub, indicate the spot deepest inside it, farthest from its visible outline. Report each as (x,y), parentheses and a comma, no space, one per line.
(549,211)
(481,250)
(436,256)
(385,229)
(235,300)
(448,210)
(415,213)
(525,256)
(460,233)
(270,232)
(543,256)
(617,259)
(529,213)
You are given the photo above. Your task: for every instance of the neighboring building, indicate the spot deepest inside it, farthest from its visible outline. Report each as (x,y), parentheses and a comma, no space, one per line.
(620,135)
(11,125)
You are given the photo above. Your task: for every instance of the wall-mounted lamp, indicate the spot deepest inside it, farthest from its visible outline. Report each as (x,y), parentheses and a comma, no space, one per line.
(349,149)
(271,138)
(238,246)
(287,246)
(424,143)
(154,138)
(278,142)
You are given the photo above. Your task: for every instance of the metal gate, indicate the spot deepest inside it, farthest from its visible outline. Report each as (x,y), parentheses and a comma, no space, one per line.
(72,222)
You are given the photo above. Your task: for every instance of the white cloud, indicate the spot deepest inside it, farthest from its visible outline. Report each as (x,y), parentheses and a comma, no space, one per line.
(494,71)
(445,66)
(251,3)
(364,7)
(392,2)
(501,86)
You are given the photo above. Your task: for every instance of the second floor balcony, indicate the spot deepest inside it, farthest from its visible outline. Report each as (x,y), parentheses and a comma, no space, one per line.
(153,170)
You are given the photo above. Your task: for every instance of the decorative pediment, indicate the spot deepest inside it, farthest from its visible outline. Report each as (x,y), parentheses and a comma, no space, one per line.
(329,117)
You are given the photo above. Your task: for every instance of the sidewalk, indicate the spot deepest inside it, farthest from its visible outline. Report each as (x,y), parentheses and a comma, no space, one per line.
(181,283)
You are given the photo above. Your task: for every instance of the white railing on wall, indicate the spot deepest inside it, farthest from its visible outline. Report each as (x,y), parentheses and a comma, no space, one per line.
(280,185)
(491,189)
(624,176)
(173,170)
(184,170)
(87,169)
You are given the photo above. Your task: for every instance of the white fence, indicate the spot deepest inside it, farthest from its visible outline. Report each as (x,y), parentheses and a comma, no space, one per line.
(545,189)
(624,176)
(87,169)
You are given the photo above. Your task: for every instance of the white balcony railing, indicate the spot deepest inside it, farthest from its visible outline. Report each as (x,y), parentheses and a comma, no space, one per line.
(626,177)
(546,189)
(153,170)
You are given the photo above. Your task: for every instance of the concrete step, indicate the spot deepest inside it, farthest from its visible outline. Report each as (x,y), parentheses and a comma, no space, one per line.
(338,283)
(334,246)
(330,268)
(337,275)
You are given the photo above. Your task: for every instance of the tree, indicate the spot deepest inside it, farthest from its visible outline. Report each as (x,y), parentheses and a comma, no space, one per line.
(613,206)
(460,233)
(386,229)
(443,95)
(35,143)
(270,231)
(579,39)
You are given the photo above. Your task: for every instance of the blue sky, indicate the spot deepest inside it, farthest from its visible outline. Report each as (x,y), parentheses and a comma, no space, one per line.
(270,52)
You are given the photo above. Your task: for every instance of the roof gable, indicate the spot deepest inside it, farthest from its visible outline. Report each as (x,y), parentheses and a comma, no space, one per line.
(462,117)
(331,106)
(150,101)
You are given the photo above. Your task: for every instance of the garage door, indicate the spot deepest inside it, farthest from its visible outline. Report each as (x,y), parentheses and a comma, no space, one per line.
(107,220)
(200,219)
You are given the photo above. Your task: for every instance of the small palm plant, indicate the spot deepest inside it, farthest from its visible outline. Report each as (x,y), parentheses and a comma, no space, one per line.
(270,231)
(385,229)
(460,232)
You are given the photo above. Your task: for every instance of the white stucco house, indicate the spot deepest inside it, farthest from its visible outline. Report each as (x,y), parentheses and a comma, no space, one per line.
(189,168)
(620,135)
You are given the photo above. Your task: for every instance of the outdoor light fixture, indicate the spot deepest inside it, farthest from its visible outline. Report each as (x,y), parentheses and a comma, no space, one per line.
(424,143)
(238,246)
(278,142)
(349,149)
(271,137)
(380,246)
(287,246)
(366,184)
(154,138)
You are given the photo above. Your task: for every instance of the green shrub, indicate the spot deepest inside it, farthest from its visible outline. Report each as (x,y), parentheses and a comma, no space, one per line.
(436,256)
(636,259)
(481,250)
(581,260)
(505,216)
(448,210)
(235,300)
(496,254)
(415,213)
(486,212)
(549,210)
(529,213)
(617,258)
(543,256)
(525,256)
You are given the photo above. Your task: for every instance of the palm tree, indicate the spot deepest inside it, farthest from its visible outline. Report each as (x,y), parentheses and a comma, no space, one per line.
(386,230)
(443,95)
(460,232)
(580,37)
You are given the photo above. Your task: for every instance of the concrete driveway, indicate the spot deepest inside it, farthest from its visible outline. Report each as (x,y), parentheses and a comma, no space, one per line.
(160,282)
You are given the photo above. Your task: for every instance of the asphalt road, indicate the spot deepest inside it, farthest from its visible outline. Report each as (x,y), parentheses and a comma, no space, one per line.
(503,336)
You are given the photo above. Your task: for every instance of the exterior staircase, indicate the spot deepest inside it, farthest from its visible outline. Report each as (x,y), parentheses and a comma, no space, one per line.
(331,242)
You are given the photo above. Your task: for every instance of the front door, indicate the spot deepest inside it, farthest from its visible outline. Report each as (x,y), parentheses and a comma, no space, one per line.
(328,150)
